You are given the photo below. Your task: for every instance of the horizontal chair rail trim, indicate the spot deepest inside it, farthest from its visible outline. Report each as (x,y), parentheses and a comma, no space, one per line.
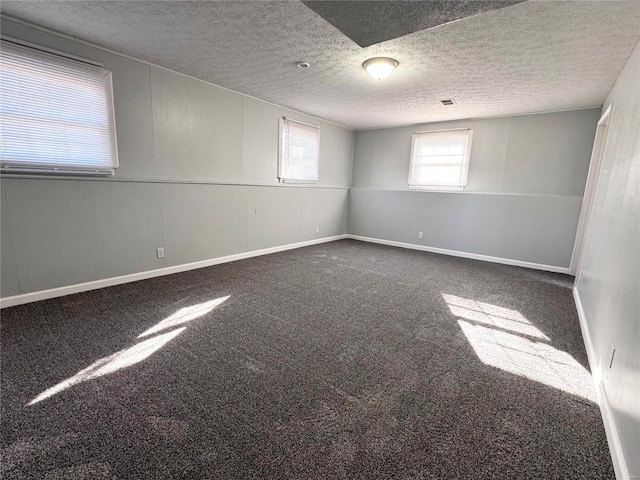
(133,277)
(70,177)
(458,191)
(457,253)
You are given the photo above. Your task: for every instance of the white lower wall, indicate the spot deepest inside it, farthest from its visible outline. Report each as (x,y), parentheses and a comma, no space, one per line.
(57,233)
(458,253)
(611,430)
(534,229)
(108,282)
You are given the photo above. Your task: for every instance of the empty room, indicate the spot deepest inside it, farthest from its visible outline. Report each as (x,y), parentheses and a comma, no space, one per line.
(320,239)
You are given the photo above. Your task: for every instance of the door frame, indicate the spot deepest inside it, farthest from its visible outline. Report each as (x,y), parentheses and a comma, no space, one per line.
(590,190)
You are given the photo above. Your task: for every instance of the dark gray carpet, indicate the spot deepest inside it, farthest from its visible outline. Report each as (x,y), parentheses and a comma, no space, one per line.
(337,361)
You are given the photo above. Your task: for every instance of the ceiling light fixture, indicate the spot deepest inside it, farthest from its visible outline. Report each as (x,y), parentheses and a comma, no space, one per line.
(380,67)
(304,65)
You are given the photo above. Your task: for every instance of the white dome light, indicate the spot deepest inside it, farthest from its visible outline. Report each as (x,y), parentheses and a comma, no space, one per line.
(380,67)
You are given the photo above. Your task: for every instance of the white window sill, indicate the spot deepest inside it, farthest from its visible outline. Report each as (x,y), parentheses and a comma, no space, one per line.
(301,182)
(436,189)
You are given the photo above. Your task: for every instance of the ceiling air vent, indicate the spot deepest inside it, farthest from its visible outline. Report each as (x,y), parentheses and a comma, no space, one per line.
(448,101)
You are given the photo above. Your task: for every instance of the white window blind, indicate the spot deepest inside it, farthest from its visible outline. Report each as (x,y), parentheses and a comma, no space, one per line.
(440,160)
(56,114)
(299,152)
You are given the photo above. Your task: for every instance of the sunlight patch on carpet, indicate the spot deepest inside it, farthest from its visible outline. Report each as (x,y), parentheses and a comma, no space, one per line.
(112,363)
(493,315)
(185,315)
(536,361)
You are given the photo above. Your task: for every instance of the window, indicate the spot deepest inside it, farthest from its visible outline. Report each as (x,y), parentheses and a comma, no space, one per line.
(56,114)
(440,160)
(299,152)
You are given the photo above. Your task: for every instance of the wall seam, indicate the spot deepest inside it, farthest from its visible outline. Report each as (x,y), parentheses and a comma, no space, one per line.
(353,162)
(163,181)
(246,243)
(155,164)
(506,156)
(13,241)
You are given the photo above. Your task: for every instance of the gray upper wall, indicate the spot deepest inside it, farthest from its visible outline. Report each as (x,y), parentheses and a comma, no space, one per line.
(197,176)
(609,287)
(526,181)
(542,154)
(176,128)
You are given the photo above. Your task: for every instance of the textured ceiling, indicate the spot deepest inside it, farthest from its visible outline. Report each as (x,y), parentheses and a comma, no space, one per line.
(371,22)
(531,57)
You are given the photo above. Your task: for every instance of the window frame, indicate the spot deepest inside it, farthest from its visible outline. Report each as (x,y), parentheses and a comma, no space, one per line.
(58,168)
(465,161)
(282,178)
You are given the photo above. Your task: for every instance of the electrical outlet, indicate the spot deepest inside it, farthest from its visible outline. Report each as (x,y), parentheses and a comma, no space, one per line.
(612,354)
(317,229)
(160,252)
(419,234)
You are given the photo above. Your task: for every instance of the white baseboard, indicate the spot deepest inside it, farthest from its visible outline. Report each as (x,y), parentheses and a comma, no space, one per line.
(108,282)
(613,439)
(456,253)
(594,362)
